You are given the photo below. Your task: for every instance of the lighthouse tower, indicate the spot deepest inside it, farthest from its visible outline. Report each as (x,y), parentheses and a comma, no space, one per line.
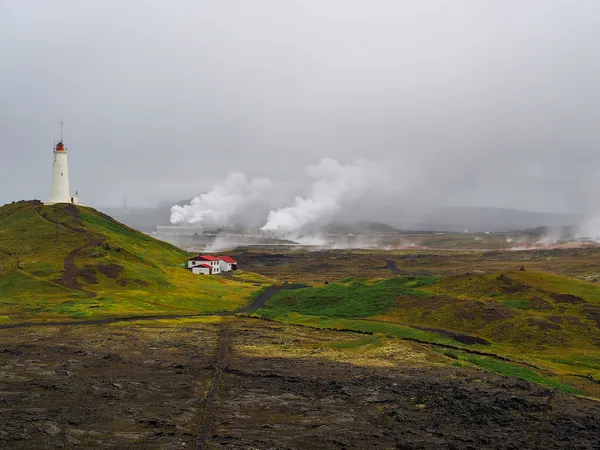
(60,193)
(60,176)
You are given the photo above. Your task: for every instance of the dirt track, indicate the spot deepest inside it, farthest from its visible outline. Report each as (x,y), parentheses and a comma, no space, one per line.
(211,404)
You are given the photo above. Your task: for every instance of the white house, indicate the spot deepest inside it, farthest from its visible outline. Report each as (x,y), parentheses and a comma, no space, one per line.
(227,263)
(212,262)
(202,269)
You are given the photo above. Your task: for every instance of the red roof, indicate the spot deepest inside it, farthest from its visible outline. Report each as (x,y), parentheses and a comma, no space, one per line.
(205,265)
(228,259)
(209,257)
(203,258)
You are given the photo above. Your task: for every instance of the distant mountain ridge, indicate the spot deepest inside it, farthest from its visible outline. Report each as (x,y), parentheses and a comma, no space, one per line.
(458,219)
(480,219)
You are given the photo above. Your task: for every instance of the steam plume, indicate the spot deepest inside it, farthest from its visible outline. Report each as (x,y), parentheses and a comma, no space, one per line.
(333,185)
(221,205)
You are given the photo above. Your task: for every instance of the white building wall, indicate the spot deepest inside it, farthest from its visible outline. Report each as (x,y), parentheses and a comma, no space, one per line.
(200,270)
(225,266)
(216,266)
(59,193)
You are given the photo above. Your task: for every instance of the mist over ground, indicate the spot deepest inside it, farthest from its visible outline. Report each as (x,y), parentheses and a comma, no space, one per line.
(472,104)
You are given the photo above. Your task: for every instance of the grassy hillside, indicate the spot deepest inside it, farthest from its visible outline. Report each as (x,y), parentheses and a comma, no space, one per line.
(549,321)
(98,268)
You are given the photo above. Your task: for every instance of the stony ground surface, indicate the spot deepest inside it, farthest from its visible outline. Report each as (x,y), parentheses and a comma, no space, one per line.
(244,383)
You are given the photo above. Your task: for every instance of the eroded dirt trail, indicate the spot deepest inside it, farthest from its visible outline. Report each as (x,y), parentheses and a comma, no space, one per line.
(71,272)
(211,403)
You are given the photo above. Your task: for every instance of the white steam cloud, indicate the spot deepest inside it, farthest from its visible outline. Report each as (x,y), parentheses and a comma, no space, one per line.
(223,203)
(333,185)
(239,201)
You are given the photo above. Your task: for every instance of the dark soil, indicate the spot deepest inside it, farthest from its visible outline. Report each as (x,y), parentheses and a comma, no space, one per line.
(110,270)
(543,324)
(567,298)
(493,313)
(197,386)
(88,273)
(565,319)
(462,338)
(509,286)
(593,312)
(481,310)
(540,304)
(69,278)
(267,259)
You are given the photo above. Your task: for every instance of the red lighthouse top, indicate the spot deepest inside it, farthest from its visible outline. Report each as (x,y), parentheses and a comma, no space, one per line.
(60,147)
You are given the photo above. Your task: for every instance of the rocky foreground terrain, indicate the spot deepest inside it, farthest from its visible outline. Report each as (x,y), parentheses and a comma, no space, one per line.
(244,383)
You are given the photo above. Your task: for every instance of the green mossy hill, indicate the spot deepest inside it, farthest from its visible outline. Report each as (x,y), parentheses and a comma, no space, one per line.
(508,312)
(98,268)
(350,298)
(532,310)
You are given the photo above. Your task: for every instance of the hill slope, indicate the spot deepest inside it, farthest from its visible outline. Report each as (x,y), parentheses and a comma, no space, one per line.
(98,268)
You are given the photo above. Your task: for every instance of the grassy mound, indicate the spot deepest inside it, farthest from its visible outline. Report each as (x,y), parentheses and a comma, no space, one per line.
(351,299)
(98,268)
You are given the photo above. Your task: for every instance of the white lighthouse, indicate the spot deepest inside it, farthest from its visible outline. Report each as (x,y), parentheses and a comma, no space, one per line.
(60,193)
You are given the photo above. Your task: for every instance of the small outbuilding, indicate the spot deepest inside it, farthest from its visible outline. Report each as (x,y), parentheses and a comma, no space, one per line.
(202,269)
(228,263)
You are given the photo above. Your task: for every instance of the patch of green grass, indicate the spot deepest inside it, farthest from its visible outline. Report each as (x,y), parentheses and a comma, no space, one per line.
(512,370)
(516,303)
(591,361)
(450,354)
(365,326)
(355,299)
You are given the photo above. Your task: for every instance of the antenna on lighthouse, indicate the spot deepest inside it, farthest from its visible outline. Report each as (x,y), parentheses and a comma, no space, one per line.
(61,122)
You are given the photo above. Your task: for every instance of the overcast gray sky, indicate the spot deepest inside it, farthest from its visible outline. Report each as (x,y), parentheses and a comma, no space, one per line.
(487,103)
